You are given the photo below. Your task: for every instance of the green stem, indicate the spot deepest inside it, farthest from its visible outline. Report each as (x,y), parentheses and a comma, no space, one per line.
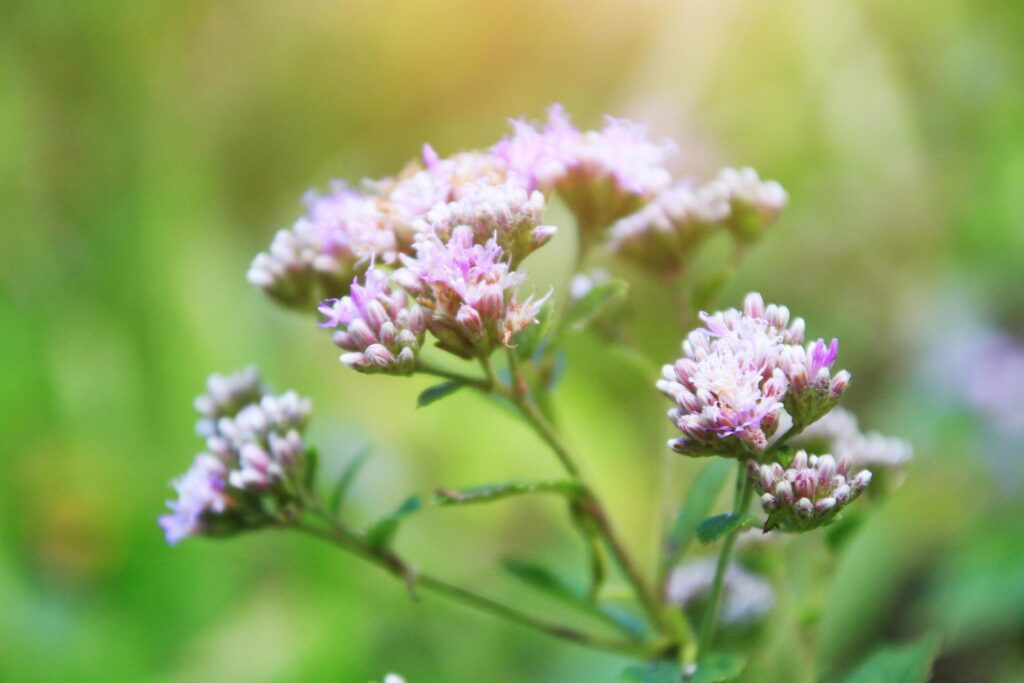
(396,566)
(481,384)
(745,492)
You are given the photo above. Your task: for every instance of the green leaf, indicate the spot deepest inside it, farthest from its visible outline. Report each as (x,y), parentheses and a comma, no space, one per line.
(490,492)
(437,392)
(714,528)
(911,663)
(718,669)
(527,341)
(312,465)
(701,497)
(590,305)
(383,532)
(347,477)
(658,672)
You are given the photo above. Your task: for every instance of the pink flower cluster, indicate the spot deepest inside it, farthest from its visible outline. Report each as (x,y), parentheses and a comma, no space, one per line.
(808,493)
(602,175)
(379,329)
(253,464)
(664,232)
(739,372)
(468,290)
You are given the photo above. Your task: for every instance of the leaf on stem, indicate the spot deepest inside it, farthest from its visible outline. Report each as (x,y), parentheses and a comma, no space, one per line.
(718,668)
(910,663)
(701,497)
(382,534)
(346,479)
(437,392)
(491,492)
(312,465)
(657,672)
(714,528)
(583,311)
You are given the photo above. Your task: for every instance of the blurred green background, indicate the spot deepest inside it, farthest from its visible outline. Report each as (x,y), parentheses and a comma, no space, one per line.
(149,149)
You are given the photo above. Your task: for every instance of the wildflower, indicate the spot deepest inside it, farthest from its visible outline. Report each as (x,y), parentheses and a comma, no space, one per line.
(665,231)
(254,463)
(505,211)
(840,435)
(808,493)
(747,597)
(602,175)
(226,395)
(320,254)
(739,372)
(380,330)
(469,292)
(813,391)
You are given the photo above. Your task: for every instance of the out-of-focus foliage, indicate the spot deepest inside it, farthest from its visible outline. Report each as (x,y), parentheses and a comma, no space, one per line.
(149,150)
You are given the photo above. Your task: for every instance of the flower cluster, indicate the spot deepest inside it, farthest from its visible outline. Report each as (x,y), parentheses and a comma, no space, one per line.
(379,329)
(469,291)
(319,255)
(666,230)
(747,597)
(254,463)
(602,175)
(739,372)
(807,494)
(840,435)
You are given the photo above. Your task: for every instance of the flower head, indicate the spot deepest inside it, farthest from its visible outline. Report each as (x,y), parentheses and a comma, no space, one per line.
(225,396)
(808,493)
(319,255)
(737,374)
(468,290)
(253,465)
(602,175)
(664,232)
(378,327)
(505,211)
(813,390)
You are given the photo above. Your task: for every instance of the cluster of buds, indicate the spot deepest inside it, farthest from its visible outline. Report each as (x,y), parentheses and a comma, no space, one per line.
(505,211)
(468,291)
(839,434)
(747,598)
(378,327)
(602,175)
(320,254)
(664,232)
(808,493)
(736,376)
(253,467)
(813,390)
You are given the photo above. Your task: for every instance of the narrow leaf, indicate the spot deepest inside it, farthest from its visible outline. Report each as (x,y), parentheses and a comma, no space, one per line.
(911,663)
(437,392)
(383,532)
(490,492)
(590,305)
(718,669)
(701,497)
(346,479)
(714,528)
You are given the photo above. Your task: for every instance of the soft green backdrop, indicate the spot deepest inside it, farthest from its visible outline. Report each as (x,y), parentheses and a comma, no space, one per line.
(149,149)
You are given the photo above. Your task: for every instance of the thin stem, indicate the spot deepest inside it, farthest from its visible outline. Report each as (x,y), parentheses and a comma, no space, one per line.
(482,384)
(392,563)
(589,503)
(714,604)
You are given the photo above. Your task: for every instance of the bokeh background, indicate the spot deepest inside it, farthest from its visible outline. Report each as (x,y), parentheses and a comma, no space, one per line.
(148,150)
